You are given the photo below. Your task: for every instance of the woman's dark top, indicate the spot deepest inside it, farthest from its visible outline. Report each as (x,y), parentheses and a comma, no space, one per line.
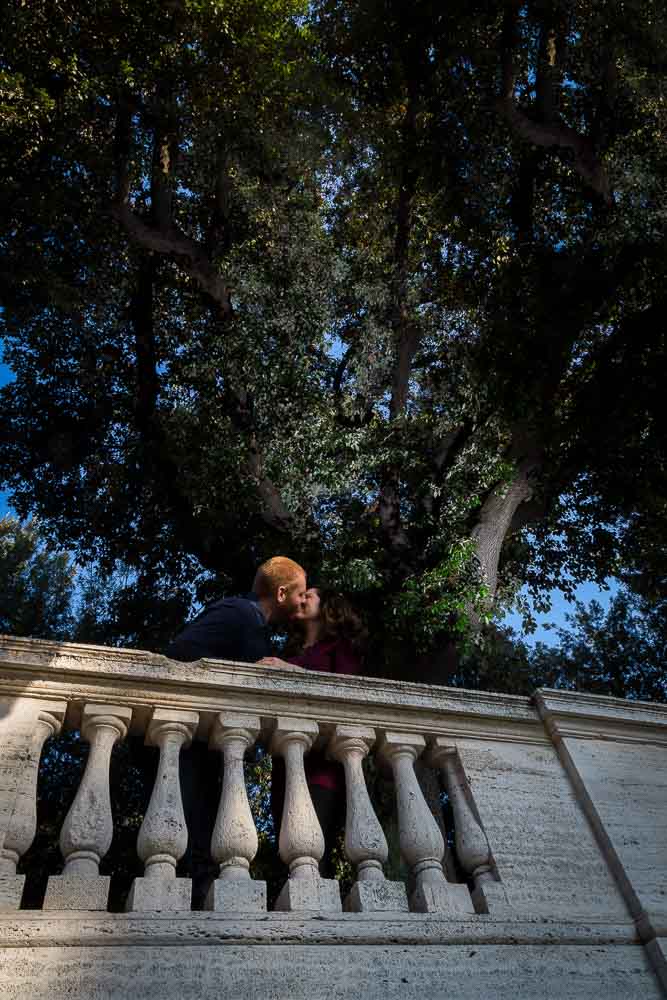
(335,656)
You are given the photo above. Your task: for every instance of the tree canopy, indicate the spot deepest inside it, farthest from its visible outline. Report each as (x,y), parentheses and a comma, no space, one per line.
(36,583)
(375,285)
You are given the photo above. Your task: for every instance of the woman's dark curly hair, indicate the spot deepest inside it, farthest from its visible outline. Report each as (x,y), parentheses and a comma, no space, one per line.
(339,621)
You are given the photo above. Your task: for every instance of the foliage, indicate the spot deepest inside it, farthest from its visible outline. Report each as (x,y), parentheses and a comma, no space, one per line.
(377,286)
(619,652)
(437,596)
(36,583)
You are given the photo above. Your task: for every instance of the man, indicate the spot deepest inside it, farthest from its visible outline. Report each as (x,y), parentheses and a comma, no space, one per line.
(233,628)
(238,628)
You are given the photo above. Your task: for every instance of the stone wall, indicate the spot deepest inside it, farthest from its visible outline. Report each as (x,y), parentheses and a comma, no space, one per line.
(560,810)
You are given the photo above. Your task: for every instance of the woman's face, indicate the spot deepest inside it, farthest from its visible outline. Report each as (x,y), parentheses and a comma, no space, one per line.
(311,610)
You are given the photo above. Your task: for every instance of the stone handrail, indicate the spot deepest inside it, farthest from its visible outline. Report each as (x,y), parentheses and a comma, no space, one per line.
(105,692)
(531,783)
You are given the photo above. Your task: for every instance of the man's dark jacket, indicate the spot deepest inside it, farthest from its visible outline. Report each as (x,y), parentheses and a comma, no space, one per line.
(233,628)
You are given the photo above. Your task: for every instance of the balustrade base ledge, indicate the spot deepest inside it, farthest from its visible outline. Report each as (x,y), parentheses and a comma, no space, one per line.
(27,929)
(237,896)
(442,897)
(11,891)
(489,897)
(377,897)
(318,894)
(77,892)
(156,894)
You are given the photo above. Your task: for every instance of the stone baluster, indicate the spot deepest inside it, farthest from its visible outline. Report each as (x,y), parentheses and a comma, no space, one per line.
(234,841)
(88,828)
(22,825)
(365,842)
(422,846)
(163,837)
(472,847)
(301,843)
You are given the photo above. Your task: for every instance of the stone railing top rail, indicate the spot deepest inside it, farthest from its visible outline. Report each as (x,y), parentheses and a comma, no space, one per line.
(591,716)
(79,673)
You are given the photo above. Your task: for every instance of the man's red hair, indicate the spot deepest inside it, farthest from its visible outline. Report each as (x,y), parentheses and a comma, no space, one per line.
(276,572)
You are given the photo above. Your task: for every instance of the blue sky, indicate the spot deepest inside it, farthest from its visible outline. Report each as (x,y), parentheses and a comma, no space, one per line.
(586,592)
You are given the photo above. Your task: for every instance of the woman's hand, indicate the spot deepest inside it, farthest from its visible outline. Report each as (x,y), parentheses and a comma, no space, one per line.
(275,661)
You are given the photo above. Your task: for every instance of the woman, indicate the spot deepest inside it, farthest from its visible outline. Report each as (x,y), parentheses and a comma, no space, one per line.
(326,635)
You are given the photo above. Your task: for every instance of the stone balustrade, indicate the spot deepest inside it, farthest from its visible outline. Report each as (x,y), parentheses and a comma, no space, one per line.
(231,719)
(537,789)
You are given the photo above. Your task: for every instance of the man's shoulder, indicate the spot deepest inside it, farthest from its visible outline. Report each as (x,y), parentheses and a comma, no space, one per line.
(243,606)
(230,628)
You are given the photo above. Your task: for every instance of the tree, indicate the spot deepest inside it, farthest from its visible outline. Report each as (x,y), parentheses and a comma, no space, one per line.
(36,583)
(378,288)
(620,652)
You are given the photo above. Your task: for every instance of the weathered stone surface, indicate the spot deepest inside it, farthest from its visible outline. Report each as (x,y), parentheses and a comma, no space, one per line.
(77,892)
(87,832)
(29,929)
(573,808)
(627,787)
(237,896)
(441,897)
(21,738)
(11,891)
(234,842)
(657,952)
(69,669)
(316,972)
(170,895)
(544,849)
(615,753)
(472,846)
(17,723)
(377,897)
(490,897)
(320,894)
(20,829)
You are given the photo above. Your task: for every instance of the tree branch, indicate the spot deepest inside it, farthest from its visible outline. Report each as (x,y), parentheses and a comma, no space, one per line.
(274,512)
(550,133)
(171,242)
(122,147)
(141,309)
(165,148)
(586,161)
(350,422)
(453,444)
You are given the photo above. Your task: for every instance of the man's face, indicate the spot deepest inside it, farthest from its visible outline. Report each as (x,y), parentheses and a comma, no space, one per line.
(291,600)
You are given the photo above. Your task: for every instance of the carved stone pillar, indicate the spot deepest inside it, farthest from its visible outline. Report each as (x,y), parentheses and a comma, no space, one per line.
(20,831)
(88,828)
(472,847)
(301,842)
(422,846)
(163,837)
(234,841)
(365,842)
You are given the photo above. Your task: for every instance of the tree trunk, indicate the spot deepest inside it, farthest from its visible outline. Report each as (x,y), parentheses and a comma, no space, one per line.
(495,521)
